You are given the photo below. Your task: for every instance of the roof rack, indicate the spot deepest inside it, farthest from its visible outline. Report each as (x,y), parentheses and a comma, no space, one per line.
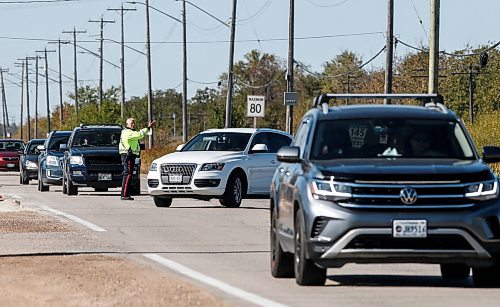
(323,99)
(100,125)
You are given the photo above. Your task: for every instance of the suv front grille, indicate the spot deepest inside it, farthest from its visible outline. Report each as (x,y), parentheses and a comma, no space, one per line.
(168,171)
(430,195)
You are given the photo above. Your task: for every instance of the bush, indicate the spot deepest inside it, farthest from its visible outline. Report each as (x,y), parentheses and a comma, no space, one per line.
(486,131)
(148,155)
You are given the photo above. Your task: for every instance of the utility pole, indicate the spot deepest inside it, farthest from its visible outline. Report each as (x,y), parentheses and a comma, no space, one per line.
(101,56)
(230,73)
(434,47)
(22,97)
(185,130)
(59,42)
(36,95)
(389,45)
(122,61)
(289,75)
(5,118)
(47,97)
(75,67)
(348,89)
(28,100)
(150,90)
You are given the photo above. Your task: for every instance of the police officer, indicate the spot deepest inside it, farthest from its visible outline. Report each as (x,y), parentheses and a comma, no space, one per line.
(129,150)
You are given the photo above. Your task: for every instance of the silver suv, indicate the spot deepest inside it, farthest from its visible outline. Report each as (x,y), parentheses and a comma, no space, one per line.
(384,184)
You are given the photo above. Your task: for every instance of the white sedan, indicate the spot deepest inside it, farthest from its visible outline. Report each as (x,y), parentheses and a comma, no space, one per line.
(228,164)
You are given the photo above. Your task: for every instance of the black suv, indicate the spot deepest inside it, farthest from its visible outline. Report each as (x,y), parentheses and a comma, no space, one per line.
(91,159)
(49,166)
(385,184)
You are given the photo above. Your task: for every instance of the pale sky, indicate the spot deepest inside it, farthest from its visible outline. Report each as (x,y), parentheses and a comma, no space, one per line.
(323,28)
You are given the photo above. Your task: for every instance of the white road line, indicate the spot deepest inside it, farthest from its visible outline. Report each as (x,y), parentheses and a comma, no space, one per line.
(15,196)
(247,296)
(74,218)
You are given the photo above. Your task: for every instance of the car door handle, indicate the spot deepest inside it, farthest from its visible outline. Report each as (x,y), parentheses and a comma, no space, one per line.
(273,161)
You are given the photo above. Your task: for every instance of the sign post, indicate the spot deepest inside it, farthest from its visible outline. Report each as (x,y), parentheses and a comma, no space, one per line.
(255,107)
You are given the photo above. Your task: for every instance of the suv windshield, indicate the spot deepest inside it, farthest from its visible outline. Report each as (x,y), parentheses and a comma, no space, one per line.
(97,138)
(380,138)
(11,145)
(218,141)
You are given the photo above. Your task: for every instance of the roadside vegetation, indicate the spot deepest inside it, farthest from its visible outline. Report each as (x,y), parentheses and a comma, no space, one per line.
(263,74)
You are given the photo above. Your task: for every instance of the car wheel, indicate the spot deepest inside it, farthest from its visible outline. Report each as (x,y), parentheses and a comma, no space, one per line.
(455,271)
(42,187)
(24,178)
(101,189)
(487,277)
(306,272)
(135,189)
(234,192)
(281,262)
(70,188)
(64,189)
(162,201)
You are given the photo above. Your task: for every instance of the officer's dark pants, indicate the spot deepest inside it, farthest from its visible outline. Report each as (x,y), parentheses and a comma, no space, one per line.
(128,162)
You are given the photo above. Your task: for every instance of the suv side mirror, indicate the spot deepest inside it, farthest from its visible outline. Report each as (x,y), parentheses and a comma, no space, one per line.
(259,148)
(63,147)
(179,147)
(289,154)
(491,154)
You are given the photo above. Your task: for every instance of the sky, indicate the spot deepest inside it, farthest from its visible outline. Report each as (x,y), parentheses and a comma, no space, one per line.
(323,29)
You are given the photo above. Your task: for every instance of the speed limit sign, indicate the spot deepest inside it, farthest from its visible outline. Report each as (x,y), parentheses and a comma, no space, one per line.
(256,106)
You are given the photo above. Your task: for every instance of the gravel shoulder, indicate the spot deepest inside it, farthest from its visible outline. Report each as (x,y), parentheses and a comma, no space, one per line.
(28,278)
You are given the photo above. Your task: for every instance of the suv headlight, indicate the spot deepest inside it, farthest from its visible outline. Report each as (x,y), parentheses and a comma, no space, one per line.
(52,160)
(330,190)
(153,167)
(212,167)
(482,190)
(31,165)
(78,160)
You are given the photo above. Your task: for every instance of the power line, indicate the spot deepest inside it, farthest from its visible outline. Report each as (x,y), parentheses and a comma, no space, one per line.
(328,5)
(420,19)
(37,1)
(260,86)
(397,40)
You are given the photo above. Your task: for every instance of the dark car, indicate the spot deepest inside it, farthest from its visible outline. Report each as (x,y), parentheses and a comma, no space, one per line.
(28,165)
(385,184)
(91,159)
(49,166)
(10,151)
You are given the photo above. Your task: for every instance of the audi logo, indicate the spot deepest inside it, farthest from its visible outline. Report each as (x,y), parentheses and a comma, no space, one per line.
(175,169)
(408,196)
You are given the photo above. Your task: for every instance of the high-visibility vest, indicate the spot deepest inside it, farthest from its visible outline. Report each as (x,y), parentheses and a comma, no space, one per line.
(129,140)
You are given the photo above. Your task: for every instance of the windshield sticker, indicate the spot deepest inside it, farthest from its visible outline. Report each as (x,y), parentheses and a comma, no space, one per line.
(358,134)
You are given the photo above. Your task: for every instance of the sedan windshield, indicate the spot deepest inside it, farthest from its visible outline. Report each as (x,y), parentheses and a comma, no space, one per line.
(394,138)
(11,145)
(218,141)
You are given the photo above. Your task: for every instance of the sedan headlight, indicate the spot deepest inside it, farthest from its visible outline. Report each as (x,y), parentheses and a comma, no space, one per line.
(52,160)
(329,190)
(30,164)
(78,160)
(153,167)
(212,167)
(482,190)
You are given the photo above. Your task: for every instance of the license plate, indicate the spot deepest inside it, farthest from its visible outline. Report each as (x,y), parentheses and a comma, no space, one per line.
(175,178)
(409,228)
(104,176)
(11,165)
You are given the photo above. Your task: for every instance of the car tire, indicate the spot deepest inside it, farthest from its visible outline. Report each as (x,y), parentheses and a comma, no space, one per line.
(234,192)
(455,271)
(281,262)
(64,188)
(42,187)
(24,178)
(100,189)
(70,188)
(307,273)
(487,277)
(162,202)
(135,189)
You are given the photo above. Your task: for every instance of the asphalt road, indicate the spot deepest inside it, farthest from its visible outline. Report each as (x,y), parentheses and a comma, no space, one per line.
(226,251)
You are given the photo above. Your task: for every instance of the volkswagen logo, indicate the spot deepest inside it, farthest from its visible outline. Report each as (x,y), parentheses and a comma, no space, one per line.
(408,196)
